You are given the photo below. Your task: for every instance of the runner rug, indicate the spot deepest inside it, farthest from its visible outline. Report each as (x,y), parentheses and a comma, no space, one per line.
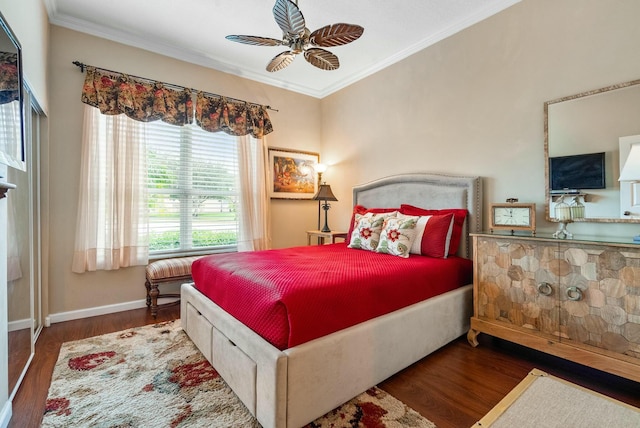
(154,376)
(542,400)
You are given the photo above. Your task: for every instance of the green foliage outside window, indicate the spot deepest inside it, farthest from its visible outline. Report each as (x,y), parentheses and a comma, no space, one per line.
(170,240)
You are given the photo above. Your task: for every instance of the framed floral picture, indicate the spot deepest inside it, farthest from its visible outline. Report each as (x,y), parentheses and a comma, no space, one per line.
(293,174)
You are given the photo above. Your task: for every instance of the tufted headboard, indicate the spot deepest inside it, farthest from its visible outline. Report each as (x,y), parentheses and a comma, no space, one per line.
(430,191)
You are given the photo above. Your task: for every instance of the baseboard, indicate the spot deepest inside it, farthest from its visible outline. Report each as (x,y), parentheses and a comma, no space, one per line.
(99,310)
(19,324)
(5,415)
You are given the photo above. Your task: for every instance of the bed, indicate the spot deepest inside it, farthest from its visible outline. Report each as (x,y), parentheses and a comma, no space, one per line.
(291,387)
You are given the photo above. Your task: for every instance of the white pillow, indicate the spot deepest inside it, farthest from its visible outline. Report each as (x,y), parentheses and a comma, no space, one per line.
(366,232)
(398,235)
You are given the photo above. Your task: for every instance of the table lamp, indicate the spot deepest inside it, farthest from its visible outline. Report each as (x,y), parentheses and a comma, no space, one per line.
(325,194)
(320,169)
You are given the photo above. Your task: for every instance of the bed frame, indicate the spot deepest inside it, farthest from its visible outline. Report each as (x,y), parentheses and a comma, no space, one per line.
(293,387)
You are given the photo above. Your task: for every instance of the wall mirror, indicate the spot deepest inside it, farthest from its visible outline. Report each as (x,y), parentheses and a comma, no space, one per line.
(605,120)
(12,150)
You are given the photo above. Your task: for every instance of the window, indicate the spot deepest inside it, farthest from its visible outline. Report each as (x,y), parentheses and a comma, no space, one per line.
(149,189)
(192,189)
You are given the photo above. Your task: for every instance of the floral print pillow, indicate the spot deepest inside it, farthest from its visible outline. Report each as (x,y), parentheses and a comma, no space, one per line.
(366,232)
(397,236)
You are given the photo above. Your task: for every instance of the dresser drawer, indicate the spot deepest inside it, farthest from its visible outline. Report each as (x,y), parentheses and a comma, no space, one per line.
(508,274)
(604,308)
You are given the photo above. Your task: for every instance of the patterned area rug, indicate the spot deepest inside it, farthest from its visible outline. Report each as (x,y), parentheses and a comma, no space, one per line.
(154,376)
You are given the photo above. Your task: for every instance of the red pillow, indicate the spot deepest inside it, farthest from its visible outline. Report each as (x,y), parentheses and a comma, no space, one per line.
(436,238)
(459,215)
(360,209)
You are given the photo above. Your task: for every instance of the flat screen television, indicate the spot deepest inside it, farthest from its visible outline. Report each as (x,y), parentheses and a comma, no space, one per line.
(576,172)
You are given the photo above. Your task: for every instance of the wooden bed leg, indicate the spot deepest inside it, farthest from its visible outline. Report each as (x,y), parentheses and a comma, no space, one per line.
(472,337)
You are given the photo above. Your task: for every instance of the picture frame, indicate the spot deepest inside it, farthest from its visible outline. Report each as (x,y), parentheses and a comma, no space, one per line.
(293,174)
(12,114)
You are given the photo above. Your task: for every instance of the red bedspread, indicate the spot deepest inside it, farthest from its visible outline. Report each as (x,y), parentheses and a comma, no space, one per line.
(293,295)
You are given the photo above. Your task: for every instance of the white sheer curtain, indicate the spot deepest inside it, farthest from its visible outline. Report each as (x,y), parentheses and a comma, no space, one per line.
(14,270)
(112,220)
(111,229)
(254,218)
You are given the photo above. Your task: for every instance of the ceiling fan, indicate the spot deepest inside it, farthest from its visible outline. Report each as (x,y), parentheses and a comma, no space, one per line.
(298,38)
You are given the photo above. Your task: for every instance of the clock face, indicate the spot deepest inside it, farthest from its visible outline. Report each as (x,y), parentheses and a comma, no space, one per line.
(512,216)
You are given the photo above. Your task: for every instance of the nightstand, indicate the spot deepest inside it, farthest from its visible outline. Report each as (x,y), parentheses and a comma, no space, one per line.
(325,235)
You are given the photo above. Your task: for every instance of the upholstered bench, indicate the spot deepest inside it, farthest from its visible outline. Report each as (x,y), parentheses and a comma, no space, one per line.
(162,271)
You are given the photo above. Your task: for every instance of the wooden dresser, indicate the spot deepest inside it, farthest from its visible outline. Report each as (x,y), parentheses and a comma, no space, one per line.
(578,299)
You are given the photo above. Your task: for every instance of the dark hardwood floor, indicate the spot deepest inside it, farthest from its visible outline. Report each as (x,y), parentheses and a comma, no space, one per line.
(453,387)
(29,402)
(19,342)
(458,384)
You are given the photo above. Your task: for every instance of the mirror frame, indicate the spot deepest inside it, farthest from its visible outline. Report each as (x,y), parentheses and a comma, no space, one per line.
(17,157)
(547,193)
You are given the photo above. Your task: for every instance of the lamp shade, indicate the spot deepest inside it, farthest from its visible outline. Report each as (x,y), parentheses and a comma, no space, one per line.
(631,168)
(324,193)
(320,168)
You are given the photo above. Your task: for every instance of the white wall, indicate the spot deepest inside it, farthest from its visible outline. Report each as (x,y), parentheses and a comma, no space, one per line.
(473,103)
(28,20)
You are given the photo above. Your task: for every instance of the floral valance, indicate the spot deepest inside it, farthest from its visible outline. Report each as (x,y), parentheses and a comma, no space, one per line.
(215,113)
(147,100)
(143,100)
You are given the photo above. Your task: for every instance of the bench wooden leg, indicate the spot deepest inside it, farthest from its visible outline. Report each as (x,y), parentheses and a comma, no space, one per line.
(153,294)
(148,286)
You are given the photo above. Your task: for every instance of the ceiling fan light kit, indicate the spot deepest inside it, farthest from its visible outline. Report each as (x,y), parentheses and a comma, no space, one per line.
(299,39)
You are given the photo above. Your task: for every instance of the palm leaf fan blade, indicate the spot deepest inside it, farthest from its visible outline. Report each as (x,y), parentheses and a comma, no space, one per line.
(288,17)
(254,40)
(321,59)
(336,35)
(280,61)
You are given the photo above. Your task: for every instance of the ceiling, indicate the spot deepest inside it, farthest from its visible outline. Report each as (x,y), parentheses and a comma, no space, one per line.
(195,30)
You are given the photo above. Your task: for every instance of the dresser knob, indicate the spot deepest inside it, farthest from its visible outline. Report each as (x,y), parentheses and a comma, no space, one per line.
(545,289)
(574,293)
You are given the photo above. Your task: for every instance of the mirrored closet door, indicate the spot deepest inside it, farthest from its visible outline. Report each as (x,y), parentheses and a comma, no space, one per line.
(24,276)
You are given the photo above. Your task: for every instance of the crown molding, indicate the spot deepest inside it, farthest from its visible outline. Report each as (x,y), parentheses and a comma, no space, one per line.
(204,59)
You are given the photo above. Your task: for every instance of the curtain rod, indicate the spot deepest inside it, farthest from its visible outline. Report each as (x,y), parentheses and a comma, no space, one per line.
(83,66)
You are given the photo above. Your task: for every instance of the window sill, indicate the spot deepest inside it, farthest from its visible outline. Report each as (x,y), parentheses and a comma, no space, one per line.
(204,252)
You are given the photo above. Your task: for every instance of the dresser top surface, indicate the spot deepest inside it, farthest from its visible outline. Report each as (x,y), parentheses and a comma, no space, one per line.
(578,239)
